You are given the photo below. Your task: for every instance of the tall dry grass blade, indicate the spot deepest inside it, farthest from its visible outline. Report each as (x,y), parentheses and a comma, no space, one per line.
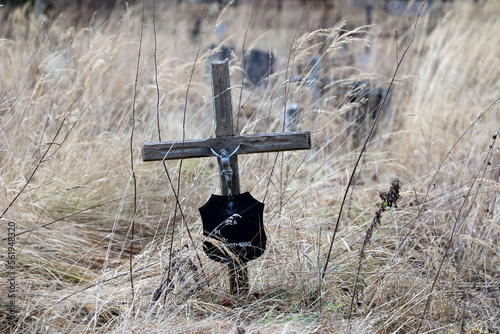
(132,168)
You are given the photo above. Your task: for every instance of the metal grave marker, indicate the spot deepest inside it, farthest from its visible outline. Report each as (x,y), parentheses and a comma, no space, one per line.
(234,228)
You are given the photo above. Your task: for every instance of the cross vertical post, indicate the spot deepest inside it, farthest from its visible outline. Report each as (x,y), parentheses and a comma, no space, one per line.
(224,127)
(224,124)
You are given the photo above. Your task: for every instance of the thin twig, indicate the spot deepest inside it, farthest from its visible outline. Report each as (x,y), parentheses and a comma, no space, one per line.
(243,67)
(293,63)
(285,102)
(380,106)
(156,73)
(169,270)
(177,203)
(132,161)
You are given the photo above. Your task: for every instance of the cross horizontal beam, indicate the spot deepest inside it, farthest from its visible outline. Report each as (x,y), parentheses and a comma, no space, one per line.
(198,148)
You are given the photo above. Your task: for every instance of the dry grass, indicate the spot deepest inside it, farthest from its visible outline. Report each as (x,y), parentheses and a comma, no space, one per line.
(66,97)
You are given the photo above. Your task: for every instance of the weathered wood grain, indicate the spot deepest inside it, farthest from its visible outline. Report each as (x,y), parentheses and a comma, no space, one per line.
(224,124)
(198,148)
(223,107)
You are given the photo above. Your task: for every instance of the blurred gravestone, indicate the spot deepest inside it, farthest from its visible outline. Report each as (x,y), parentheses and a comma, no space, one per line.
(367,99)
(258,66)
(220,53)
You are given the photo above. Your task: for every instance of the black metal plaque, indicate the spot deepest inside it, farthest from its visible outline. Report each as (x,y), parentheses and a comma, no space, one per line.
(233,229)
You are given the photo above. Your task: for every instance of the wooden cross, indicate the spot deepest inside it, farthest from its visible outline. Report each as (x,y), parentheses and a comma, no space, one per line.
(226,139)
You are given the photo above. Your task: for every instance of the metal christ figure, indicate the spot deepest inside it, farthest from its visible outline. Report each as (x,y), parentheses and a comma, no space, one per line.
(227,171)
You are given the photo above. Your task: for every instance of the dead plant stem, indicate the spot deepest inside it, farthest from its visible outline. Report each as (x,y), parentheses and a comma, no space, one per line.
(171,250)
(132,162)
(243,66)
(375,122)
(177,203)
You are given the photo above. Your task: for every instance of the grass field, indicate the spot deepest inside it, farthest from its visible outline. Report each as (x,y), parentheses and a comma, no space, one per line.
(77,102)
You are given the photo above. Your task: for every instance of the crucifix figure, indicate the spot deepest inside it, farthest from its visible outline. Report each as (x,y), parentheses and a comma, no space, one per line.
(226,141)
(226,172)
